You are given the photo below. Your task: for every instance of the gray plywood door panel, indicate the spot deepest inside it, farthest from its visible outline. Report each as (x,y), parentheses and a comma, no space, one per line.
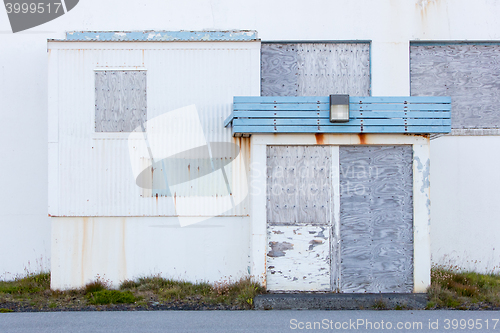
(376,218)
(468,73)
(315,69)
(298,185)
(299,218)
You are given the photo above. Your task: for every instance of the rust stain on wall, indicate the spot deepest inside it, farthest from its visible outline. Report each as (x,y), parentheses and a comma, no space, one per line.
(320,138)
(249,151)
(425,8)
(362,138)
(423,5)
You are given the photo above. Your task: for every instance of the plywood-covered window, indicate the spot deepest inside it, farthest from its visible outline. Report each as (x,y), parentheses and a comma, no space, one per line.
(315,69)
(467,72)
(120,100)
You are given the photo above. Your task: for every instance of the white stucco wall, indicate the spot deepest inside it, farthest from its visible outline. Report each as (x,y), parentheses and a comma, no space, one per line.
(465,227)
(390,24)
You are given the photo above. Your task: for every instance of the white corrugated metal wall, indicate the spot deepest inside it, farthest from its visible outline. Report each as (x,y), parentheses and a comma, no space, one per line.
(102,221)
(95,176)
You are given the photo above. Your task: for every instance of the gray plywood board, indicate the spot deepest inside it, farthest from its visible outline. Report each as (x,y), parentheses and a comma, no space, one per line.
(278,70)
(468,73)
(298,258)
(376,218)
(315,69)
(120,100)
(325,69)
(299,184)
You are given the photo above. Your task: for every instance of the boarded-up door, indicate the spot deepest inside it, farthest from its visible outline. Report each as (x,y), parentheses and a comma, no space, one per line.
(299,218)
(367,245)
(376,219)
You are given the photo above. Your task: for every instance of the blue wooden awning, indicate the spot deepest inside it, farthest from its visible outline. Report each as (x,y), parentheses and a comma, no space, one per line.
(273,114)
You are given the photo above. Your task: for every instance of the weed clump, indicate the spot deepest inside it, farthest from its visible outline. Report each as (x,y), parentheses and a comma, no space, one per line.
(31,283)
(128,284)
(103,297)
(241,292)
(95,286)
(454,288)
(379,305)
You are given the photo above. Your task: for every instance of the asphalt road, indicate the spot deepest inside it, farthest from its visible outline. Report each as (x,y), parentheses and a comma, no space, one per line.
(251,321)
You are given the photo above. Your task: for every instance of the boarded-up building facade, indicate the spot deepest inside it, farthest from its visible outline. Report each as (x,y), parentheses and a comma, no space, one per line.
(173,134)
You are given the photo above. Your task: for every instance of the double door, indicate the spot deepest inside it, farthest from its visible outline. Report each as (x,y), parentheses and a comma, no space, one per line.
(340,218)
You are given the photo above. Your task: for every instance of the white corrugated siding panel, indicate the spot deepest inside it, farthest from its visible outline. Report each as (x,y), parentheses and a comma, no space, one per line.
(95,172)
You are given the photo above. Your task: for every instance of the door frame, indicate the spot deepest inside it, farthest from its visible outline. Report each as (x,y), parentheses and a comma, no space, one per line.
(421,193)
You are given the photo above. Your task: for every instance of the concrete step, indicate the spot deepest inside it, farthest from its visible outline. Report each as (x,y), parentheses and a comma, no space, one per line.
(331,301)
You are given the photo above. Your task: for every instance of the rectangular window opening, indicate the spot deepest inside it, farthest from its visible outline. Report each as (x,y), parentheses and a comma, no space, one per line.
(120,101)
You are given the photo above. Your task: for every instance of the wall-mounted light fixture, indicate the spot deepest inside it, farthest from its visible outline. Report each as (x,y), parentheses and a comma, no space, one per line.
(339,108)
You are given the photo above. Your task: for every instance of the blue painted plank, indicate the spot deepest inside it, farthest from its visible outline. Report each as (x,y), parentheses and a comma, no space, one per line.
(403,99)
(400,114)
(229,119)
(353,107)
(287,107)
(402,107)
(281,99)
(352,122)
(341,129)
(353,114)
(282,114)
(161,36)
(352,99)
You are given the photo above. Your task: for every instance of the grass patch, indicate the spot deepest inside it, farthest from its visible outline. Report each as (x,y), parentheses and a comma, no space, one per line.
(401,307)
(430,305)
(31,283)
(241,292)
(128,284)
(4,310)
(95,286)
(32,292)
(379,305)
(238,293)
(457,289)
(111,297)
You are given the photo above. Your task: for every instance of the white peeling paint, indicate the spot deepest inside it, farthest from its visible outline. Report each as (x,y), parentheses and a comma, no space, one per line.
(298,258)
